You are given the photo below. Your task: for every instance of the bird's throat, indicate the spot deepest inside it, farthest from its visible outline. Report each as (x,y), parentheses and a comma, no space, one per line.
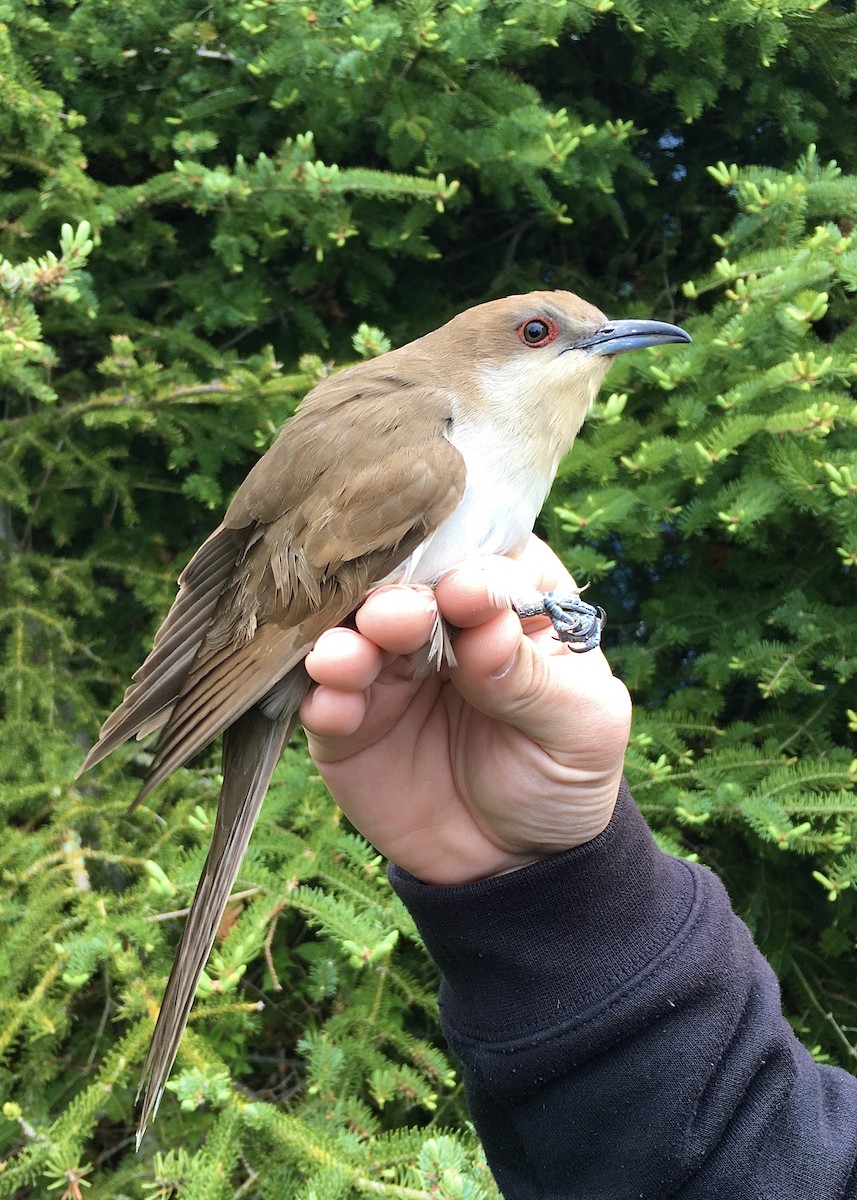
(511,446)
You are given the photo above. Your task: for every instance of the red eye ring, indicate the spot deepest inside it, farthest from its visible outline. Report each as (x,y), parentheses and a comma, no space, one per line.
(537,331)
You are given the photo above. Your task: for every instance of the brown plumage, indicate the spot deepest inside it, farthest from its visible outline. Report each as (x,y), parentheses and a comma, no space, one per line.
(396,469)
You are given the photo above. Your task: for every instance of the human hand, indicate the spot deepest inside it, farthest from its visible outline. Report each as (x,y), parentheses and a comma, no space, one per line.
(512,755)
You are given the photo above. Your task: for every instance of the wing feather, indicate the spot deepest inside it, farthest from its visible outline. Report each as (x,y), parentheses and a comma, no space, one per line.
(158,682)
(219,699)
(307,535)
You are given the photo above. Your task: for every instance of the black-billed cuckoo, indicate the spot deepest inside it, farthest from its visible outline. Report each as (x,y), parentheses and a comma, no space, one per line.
(395,470)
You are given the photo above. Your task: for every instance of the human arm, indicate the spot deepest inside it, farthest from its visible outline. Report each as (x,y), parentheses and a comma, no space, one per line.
(620,1033)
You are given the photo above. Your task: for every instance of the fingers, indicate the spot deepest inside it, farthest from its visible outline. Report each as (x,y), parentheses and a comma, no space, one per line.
(564,702)
(329,713)
(393,623)
(344,664)
(480,589)
(523,675)
(399,619)
(395,619)
(342,659)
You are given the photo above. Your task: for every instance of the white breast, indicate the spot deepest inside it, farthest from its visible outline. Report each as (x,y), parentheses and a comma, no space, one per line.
(527,420)
(501,501)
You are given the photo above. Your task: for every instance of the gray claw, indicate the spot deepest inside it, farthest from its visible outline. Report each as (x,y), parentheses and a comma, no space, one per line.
(577,624)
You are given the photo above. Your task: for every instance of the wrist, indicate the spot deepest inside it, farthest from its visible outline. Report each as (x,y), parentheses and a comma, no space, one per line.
(536,940)
(566,814)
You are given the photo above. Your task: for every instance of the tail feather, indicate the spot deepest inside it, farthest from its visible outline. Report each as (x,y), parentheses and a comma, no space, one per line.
(158,683)
(252,747)
(201,714)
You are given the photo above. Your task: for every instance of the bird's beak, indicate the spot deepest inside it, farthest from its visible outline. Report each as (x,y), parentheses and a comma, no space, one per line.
(619,336)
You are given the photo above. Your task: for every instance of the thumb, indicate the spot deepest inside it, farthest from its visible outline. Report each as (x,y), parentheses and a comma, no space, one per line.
(532,682)
(565,702)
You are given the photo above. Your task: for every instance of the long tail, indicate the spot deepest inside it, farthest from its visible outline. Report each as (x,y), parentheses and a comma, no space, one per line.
(251,749)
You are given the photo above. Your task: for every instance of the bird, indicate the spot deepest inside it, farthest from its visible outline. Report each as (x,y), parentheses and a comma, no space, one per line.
(395,470)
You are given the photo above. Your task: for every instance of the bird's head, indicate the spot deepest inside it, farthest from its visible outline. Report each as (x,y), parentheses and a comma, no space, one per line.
(553,324)
(555,340)
(545,351)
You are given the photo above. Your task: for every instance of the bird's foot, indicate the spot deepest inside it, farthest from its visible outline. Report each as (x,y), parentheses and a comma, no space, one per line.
(577,624)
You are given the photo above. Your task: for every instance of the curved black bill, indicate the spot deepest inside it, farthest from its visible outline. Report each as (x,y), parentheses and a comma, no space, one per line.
(619,336)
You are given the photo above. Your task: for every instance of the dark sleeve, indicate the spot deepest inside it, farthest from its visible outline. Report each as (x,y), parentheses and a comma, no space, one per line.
(622,1037)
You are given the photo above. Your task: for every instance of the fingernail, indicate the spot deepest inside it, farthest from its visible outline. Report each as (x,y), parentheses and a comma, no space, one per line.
(507,666)
(396,590)
(334,633)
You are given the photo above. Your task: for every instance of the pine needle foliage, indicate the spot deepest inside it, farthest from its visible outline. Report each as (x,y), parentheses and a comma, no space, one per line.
(202,212)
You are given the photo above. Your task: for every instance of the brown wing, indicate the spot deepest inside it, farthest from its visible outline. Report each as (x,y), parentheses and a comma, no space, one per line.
(353,484)
(158,682)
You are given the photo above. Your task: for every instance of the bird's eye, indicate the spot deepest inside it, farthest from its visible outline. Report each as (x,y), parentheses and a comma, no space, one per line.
(538,331)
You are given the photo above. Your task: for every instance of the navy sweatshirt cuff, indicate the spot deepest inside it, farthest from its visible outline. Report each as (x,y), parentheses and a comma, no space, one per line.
(549,941)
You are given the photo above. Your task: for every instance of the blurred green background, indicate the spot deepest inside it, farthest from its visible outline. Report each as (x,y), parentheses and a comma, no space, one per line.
(202,211)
